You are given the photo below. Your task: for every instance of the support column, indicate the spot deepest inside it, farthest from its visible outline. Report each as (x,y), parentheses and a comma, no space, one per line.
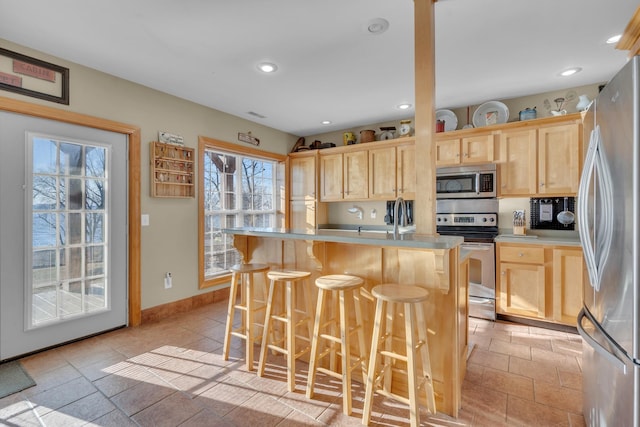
(424,30)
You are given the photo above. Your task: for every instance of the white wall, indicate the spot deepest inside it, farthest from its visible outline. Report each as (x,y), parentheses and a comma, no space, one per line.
(169,243)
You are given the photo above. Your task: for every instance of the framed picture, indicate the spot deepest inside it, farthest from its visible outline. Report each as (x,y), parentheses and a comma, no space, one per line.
(33,77)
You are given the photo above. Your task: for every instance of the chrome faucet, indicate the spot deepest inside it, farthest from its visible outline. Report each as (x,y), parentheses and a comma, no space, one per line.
(399,203)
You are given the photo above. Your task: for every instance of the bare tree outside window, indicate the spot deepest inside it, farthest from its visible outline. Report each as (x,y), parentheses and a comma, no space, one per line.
(239,191)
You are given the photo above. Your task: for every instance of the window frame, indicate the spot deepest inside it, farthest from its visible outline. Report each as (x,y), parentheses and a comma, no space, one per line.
(206,143)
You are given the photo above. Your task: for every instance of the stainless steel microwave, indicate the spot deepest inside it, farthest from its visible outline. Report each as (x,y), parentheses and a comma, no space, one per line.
(466,182)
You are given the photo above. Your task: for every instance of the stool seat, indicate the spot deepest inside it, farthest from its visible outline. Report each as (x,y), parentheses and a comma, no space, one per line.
(249,268)
(334,328)
(392,292)
(338,282)
(288,275)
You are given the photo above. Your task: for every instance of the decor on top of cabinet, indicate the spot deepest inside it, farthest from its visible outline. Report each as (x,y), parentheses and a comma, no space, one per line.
(367,135)
(388,132)
(449,119)
(405,128)
(490,113)
(171,170)
(527,114)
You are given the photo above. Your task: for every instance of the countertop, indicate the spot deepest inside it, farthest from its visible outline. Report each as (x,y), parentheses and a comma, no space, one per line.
(377,238)
(541,237)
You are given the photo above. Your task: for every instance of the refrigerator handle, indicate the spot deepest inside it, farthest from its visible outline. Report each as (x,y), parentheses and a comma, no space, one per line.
(583,212)
(615,360)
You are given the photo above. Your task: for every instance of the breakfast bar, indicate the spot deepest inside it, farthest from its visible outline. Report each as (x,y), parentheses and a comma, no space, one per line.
(433,262)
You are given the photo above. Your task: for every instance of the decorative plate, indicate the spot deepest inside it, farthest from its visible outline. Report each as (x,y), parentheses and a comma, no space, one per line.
(450,119)
(490,113)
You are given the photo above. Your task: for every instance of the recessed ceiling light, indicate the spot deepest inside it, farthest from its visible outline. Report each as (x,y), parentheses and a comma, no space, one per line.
(570,71)
(377,26)
(326,122)
(403,106)
(267,67)
(614,39)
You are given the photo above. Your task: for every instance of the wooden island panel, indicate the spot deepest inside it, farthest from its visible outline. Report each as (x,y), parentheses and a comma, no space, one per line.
(436,269)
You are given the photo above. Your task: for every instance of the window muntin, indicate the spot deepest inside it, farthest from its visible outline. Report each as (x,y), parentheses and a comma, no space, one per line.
(239,190)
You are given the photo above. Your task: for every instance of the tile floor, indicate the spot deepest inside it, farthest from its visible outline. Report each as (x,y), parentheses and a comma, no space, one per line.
(171,373)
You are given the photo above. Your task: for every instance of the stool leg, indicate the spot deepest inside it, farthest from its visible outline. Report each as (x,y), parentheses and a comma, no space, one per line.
(249,319)
(409,316)
(315,338)
(357,301)
(291,335)
(308,308)
(426,359)
(266,333)
(233,294)
(345,348)
(373,360)
(391,311)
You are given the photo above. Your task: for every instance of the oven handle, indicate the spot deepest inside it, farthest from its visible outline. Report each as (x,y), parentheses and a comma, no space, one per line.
(477,183)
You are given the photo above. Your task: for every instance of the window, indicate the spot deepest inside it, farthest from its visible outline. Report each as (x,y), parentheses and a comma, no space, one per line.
(68,254)
(237,189)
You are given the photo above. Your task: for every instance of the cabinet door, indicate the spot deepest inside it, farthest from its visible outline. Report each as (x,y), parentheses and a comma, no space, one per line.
(477,149)
(518,163)
(448,152)
(356,175)
(382,173)
(331,177)
(303,178)
(406,171)
(303,215)
(568,276)
(522,290)
(558,159)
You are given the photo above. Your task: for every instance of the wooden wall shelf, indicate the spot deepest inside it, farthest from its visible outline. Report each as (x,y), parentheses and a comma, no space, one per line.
(171,170)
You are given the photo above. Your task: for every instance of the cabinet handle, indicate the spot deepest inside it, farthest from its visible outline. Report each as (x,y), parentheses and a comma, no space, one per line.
(466,155)
(504,272)
(542,184)
(520,254)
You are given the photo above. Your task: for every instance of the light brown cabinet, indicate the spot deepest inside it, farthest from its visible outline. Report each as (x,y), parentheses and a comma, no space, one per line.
(540,281)
(541,161)
(470,149)
(392,172)
(305,212)
(171,170)
(521,281)
(303,177)
(344,176)
(568,277)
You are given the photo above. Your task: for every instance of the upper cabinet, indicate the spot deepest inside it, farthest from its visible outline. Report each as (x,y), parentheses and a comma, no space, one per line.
(472,149)
(343,176)
(392,172)
(303,177)
(540,161)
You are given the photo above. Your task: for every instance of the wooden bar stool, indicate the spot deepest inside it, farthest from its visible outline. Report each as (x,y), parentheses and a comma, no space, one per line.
(411,299)
(244,273)
(339,287)
(291,317)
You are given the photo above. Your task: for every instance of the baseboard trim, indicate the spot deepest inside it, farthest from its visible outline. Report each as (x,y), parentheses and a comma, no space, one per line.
(159,312)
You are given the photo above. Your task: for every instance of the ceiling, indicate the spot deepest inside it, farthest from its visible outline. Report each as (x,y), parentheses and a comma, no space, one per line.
(329,66)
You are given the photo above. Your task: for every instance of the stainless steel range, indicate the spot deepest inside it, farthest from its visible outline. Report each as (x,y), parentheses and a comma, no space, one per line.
(476,220)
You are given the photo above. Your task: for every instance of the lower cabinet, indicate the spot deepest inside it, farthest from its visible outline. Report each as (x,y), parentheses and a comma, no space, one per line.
(539,281)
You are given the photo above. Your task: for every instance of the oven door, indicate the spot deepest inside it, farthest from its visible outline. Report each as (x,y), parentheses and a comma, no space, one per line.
(482,279)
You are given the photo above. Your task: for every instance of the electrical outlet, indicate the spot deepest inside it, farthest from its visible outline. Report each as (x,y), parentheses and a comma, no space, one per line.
(167,281)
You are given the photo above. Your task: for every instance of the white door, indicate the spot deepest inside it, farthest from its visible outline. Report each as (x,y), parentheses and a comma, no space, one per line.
(63,223)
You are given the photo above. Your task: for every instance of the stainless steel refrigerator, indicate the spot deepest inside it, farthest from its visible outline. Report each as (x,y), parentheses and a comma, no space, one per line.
(609,226)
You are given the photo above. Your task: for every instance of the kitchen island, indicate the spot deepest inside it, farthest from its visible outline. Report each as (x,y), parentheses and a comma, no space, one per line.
(409,259)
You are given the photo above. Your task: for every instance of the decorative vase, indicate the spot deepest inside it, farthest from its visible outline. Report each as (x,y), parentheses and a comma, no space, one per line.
(583,103)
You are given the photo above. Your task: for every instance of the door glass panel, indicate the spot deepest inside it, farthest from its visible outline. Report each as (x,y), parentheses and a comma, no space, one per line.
(68,252)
